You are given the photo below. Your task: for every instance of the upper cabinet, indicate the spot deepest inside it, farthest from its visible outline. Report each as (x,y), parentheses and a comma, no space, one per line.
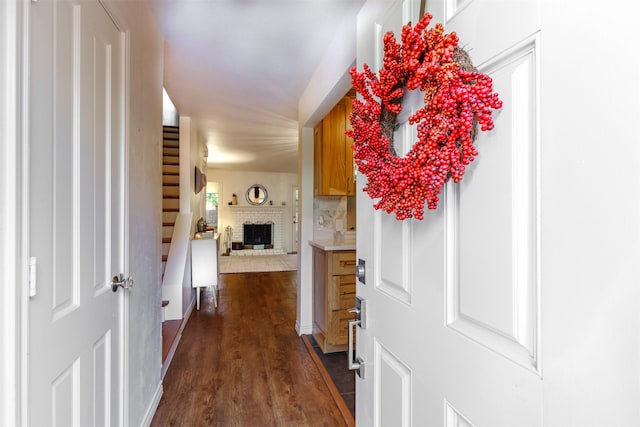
(333,156)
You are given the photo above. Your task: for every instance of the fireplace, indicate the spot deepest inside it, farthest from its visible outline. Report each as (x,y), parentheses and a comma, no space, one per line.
(260,215)
(258,234)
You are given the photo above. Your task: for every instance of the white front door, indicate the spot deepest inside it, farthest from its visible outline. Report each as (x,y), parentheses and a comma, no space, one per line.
(452,300)
(76,215)
(516,302)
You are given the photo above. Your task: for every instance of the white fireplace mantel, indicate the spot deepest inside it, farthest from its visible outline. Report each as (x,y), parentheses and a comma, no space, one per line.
(256,208)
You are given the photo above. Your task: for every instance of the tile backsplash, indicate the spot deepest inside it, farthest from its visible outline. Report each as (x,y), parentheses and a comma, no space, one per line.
(330,215)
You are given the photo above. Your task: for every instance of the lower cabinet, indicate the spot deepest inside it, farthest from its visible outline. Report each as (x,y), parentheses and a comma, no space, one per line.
(334,290)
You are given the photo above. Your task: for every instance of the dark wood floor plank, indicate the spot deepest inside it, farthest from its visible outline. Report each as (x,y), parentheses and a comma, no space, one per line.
(243,364)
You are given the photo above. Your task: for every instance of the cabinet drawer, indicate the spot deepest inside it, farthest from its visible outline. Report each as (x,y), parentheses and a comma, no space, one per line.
(340,327)
(343,292)
(344,262)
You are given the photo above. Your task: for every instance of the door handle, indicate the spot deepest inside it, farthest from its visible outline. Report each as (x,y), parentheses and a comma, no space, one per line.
(355,362)
(119,281)
(360,319)
(360,311)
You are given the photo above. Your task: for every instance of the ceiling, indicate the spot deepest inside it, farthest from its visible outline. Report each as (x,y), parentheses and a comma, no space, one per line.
(238,69)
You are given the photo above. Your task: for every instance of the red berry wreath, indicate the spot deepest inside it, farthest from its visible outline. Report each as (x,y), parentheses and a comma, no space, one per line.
(456,97)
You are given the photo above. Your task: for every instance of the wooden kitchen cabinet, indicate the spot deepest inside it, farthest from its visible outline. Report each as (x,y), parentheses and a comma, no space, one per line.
(333,155)
(334,289)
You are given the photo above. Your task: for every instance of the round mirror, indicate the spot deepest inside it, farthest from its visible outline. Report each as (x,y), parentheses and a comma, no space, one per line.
(257,195)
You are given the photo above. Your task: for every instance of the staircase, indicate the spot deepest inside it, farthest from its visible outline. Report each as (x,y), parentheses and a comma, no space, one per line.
(170,186)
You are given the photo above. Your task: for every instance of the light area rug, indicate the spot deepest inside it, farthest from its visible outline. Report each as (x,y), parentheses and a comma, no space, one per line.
(258,263)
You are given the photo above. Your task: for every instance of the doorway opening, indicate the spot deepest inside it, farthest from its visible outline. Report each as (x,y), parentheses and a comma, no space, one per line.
(294,231)
(211,209)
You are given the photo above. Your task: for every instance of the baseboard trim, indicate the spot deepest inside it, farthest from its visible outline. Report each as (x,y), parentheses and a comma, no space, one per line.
(153,407)
(176,341)
(172,351)
(303,330)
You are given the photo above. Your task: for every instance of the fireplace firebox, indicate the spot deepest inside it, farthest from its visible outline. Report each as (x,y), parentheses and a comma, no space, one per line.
(257,234)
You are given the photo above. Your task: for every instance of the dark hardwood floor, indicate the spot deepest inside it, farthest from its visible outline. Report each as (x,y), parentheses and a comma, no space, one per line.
(243,364)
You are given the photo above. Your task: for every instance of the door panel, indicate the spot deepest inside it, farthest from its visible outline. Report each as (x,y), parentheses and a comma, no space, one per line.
(394,252)
(64,201)
(64,393)
(492,296)
(76,214)
(394,377)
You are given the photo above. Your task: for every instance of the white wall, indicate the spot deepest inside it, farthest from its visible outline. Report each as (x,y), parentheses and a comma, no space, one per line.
(191,155)
(196,158)
(329,83)
(279,188)
(192,149)
(197,203)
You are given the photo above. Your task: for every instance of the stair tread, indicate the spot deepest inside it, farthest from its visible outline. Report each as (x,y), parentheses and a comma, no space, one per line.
(171,163)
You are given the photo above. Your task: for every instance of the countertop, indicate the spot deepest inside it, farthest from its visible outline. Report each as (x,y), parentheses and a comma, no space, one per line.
(343,244)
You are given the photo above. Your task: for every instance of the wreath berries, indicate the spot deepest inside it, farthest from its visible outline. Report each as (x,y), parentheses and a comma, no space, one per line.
(457,98)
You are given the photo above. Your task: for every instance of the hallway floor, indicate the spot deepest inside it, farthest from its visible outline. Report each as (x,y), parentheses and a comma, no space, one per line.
(243,364)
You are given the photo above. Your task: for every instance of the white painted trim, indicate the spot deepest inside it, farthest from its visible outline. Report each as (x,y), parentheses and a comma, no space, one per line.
(170,354)
(178,260)
(304,313)
(153,407)
(174,345)
(126,325)
(25,138)
(303,329)
(12,259)
(186,172)
(8,215)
